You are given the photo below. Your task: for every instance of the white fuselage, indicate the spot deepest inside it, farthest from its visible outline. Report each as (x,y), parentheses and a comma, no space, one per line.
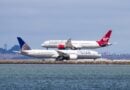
(81,54)
(77,44)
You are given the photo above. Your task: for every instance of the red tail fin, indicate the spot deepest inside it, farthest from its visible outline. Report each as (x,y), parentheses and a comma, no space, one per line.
(104,41)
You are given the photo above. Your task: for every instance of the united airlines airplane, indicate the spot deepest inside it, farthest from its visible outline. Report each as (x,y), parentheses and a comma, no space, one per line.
(76,44)
(57,54)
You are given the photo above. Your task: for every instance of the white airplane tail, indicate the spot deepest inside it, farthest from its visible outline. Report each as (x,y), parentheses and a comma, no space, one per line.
(23,45)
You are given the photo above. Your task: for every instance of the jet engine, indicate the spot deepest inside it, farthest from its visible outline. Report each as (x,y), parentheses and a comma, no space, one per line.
(73,57)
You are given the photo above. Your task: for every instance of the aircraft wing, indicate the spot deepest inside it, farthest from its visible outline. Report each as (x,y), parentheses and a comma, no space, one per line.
(66,56)
(62,53)
(69,44)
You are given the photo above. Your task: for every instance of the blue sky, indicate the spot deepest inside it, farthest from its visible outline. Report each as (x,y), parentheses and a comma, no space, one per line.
(40,20)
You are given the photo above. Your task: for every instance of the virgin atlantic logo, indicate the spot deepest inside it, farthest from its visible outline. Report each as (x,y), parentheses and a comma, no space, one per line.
(105,39)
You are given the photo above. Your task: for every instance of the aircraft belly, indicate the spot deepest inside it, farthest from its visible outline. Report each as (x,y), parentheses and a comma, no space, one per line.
(51,46)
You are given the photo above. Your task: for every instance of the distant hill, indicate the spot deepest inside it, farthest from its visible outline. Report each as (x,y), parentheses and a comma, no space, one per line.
(2,50)
(14,48)
(11,50)
(10,54)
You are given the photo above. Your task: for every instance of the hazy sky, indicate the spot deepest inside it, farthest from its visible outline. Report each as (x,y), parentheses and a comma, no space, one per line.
(40,20)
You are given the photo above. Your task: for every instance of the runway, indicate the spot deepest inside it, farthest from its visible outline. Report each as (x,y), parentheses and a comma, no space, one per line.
(85,61)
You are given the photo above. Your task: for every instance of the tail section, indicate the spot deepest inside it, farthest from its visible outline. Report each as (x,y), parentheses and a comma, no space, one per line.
(23,45)
(105,40)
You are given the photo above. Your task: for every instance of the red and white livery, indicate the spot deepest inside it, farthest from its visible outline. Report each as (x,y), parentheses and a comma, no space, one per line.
(76,44)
